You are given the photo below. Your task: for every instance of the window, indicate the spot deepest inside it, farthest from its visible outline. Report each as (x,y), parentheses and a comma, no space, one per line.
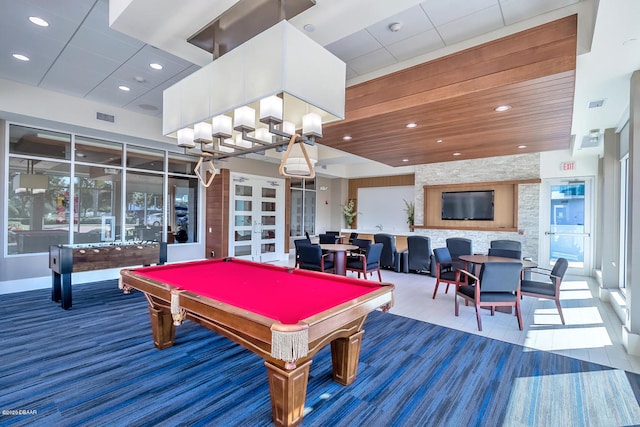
(624,222)
(44,208)
(303,207)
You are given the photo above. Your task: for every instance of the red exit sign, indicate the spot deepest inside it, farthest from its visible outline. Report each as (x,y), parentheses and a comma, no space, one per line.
(568,166)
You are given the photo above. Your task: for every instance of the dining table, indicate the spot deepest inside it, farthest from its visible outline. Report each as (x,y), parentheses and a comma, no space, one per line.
(339,251)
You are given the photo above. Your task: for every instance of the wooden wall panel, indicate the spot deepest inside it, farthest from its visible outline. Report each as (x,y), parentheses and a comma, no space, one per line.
(217,214)
(505,206)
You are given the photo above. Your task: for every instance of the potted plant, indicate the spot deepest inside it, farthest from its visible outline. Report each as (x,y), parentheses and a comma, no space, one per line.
(348,210)
(409,210)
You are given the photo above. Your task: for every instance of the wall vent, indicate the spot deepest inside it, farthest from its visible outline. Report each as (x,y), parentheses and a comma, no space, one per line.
(106,117)
(596,104)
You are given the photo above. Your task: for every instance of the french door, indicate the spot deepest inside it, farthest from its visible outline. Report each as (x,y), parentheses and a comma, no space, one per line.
(567,218)
(256,229)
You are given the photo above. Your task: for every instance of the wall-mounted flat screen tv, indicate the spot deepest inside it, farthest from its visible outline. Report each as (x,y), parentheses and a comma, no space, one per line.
(467,205)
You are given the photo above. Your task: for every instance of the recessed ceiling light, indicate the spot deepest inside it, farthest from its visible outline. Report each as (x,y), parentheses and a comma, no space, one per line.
(20,57)
(155,66)
(411,125)
(457,154)
(522,146)
(502,108)
(346,138)
(80,154)
(38,21)
(439,141)
(124,88)
(405,160)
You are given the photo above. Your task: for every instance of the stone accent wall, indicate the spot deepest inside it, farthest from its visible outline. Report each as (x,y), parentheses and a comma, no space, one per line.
(505,168)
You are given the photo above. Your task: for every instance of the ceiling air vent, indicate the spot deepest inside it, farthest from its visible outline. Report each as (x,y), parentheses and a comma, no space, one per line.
(596,104)
(106,117)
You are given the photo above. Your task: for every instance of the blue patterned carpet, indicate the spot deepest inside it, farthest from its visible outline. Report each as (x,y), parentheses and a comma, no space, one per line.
(96,365)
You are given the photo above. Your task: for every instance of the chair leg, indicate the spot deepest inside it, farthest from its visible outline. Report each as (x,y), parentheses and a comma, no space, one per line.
(560,310)
(446,291)
(457,304)
(493,310)
(518,314)
(435,290)
(379,276)
(478,317)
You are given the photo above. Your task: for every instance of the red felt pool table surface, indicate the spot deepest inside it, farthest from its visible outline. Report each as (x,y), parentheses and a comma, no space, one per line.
(276,292)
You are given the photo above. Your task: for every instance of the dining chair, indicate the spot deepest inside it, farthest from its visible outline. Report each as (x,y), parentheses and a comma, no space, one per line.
(549,289)
(367,262)
(445,271)
(513,245)
(498,285)
(505,253)
(327,238)
(459,246)
(311,258)
(297,243)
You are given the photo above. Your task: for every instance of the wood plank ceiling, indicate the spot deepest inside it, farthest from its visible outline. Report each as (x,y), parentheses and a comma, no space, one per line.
(453,99)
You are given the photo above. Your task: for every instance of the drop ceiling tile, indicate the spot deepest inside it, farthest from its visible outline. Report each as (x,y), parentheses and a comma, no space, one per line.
(103,44)
(419,44)
(518,10)
(471,25)
(98,20)
(350,73)
(75,10)
(150,103)
(441,12)
(357,44)
(413,21)
(14,21)
(78,66)
(372,61)
(107,92)
(24,72)
(171,64)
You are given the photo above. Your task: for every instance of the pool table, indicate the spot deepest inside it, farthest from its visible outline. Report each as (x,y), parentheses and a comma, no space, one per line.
(283,315)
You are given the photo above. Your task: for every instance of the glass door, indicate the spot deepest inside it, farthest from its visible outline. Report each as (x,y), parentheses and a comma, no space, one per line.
(568,229)
(257,218)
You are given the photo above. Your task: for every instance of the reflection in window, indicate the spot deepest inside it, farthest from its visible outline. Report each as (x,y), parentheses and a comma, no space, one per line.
(39,209)
(303,207)
(144,214)
(96,151)
(97,191)
(37,142)
(183,209)
(145,158)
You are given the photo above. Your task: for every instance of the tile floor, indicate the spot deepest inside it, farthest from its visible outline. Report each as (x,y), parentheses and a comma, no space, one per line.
(592,331)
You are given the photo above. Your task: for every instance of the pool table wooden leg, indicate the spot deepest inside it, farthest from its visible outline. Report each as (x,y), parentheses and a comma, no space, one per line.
(288,391)
(162,327)
(345,355)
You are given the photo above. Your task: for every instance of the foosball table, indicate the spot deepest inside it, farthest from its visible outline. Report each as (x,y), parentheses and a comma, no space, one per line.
(67,259)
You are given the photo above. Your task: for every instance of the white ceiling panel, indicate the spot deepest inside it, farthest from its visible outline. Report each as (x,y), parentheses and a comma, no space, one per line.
(413,21)
(105,46)
(78,66)
(470,26)
(149,103)
(373,60)
(357,44)
(148,54)
(108,92)
(74,10)
(518,10)
(442,12)
(60,28)
(419,44)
